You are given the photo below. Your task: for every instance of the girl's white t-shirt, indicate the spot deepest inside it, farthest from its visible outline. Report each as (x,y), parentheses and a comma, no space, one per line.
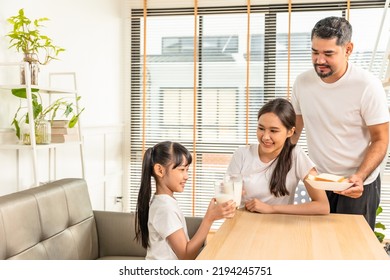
(165,217)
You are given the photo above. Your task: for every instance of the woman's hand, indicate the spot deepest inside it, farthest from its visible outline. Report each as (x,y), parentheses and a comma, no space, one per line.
(217,211)
(255,205)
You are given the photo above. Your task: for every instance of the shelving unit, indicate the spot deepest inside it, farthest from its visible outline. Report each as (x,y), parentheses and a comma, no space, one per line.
(386,72)
(33,147)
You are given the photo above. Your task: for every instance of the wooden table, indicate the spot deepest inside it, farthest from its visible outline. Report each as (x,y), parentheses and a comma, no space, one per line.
(253,236)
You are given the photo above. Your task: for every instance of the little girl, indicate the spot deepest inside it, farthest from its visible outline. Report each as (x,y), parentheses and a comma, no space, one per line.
(160,224)
(273,168)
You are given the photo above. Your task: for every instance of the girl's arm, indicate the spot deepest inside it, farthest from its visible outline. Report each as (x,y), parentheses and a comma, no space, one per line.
(319,203)
(188,250)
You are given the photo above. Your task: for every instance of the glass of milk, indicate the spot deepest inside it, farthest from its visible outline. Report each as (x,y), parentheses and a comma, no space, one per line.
(237,182)
(230,188)
(224,190)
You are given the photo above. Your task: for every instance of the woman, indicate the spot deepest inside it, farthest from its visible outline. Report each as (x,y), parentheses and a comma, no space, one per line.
(273,168)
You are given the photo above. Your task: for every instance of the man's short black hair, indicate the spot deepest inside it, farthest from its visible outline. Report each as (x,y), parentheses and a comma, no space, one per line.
(333,27)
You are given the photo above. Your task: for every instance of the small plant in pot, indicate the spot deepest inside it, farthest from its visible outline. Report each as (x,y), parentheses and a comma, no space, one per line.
(380,235)
(37,48)
(42,116)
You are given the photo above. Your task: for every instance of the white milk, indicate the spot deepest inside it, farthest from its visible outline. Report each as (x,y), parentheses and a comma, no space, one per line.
(223,197)
(224,191)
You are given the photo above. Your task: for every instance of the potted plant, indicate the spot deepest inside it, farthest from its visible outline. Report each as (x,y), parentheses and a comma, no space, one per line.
(380,235)
(26,37)
(38,49)
(43,116)
(379,225)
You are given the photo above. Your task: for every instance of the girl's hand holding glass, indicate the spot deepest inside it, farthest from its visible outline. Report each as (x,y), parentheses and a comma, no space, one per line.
(217,211)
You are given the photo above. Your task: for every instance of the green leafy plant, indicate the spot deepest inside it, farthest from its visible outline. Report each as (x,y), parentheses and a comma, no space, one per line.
(40,113)
(379,225)
(27,38)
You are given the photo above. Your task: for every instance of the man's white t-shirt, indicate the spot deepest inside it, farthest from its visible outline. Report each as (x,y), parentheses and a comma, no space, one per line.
(165,217)
(257,174)
(336,117)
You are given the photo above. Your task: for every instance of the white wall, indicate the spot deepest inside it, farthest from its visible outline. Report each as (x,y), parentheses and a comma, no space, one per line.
(91,31)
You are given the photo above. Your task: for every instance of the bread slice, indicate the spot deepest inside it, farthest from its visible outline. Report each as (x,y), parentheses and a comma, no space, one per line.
(311,177)
(326,177)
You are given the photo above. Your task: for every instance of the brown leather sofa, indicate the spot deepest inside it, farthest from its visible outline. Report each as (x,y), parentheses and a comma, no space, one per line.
(55,221)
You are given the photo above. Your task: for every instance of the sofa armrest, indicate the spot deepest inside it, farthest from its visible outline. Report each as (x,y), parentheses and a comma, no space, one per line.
(193,224)
(116,233)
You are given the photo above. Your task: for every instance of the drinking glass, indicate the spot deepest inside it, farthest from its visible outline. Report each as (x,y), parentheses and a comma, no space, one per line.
(230,188)
(224,191)
(246,179)
(237,182)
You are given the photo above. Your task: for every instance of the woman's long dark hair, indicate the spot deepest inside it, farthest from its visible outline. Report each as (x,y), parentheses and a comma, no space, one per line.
(284,110)
(164,153)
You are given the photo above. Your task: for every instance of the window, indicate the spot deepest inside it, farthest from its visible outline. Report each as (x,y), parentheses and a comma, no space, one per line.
(211,45)
(214,110)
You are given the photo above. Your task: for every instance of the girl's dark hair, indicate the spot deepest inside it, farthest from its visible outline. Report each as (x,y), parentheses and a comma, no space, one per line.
(284,110)
(164,153)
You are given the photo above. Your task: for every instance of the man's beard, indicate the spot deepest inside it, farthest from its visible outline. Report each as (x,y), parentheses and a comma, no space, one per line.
(321,74)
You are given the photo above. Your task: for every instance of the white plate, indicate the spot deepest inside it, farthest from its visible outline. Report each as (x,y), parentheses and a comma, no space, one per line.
(329,186)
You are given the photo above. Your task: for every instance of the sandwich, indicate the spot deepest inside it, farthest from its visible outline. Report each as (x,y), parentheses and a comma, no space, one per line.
(326,177)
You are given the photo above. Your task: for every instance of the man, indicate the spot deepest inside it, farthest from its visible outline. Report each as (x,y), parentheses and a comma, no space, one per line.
(345,114)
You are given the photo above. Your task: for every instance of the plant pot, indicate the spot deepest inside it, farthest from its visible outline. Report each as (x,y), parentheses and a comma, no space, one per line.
(42,133)
(387,247)
(34,69)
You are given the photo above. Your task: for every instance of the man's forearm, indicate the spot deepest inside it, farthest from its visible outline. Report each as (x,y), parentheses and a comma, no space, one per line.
(375,154)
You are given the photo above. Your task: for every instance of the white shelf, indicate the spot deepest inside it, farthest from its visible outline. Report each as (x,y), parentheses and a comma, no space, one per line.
(41,89)
(38,147)
(33,148)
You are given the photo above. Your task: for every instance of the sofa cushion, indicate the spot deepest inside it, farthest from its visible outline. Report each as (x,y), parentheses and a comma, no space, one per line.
(21,224)
(84,235)
(2,239)
(53,209)
(37,252)
(53,221)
